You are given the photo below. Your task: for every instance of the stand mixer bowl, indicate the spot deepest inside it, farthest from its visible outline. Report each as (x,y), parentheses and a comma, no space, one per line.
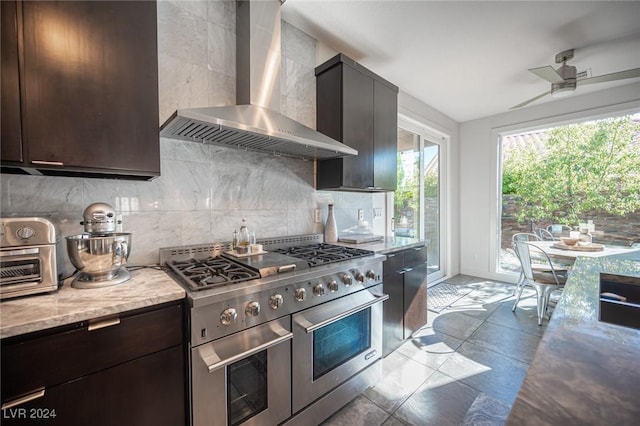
(99,258)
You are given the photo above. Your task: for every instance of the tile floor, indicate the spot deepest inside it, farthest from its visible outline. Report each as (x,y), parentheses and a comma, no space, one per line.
(476,346)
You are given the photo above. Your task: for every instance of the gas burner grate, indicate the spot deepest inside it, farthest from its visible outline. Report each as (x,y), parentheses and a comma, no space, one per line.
(322,253)
(200,274)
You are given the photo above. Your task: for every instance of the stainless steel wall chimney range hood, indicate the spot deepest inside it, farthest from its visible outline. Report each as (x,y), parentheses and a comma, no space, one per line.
(256,123)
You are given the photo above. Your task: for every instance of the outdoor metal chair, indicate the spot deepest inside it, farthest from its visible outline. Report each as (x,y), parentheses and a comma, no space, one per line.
(544,282)
(522,236)
(558,230)
(545,235)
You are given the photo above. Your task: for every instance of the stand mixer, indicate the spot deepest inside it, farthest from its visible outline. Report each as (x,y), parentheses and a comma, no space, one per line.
(99,253)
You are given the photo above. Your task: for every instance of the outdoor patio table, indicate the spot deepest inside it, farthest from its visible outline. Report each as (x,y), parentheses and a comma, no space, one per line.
(571,255)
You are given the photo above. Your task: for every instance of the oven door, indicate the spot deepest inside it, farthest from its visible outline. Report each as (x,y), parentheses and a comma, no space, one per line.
(26,271)
(244,378)
(334,341)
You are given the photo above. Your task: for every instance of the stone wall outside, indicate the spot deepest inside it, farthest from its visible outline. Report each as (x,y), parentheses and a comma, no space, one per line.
(621,230)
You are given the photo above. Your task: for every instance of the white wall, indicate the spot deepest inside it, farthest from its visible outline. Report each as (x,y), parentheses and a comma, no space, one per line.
(478,166)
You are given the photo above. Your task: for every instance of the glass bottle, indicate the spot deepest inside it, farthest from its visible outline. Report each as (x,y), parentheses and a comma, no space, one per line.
(234,241)
(330,228)
(243,236)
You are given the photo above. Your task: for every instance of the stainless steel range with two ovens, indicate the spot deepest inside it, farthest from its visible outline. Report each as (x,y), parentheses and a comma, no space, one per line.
(288,336)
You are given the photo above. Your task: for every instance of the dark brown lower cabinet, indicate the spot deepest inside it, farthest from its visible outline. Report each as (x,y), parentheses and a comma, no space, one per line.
(405,281)
(146,391)
(393,313)
(132,373)
(415,299)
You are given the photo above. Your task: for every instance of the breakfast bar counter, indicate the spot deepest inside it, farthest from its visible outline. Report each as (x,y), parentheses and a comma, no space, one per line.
(147,287)
(585,371)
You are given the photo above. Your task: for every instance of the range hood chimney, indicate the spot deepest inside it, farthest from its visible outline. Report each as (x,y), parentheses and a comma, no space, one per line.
(255,124)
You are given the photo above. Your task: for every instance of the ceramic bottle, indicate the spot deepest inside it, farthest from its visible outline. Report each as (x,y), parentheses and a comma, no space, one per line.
(330,228)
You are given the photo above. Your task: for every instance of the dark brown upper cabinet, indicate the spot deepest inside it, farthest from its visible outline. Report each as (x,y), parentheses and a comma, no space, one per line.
(360,109)
(81,85)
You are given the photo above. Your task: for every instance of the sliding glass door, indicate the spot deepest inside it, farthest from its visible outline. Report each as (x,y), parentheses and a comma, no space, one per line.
(417,202)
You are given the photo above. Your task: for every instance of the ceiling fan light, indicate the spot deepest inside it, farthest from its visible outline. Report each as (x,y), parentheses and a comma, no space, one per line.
(566,88)
(562,92)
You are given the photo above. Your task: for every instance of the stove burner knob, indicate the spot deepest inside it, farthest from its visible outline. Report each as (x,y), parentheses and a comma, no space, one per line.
(318,289)
(228,316)
(276,301)
(333,285)
(371,275)
(301,294)
(252,309)
(346,280)
(360,277)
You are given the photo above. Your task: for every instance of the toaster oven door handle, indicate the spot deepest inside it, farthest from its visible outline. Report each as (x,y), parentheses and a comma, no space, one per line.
(213,361)
(23,399)
(378,298)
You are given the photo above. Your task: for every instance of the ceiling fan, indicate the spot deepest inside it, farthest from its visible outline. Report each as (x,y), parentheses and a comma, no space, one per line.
(565,79)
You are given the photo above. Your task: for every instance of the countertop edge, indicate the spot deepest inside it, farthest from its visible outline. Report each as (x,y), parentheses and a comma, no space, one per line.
(147,287)
(388,244)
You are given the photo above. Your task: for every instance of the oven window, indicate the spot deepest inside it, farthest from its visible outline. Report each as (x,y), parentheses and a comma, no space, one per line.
(246,388)
(17,271)
(338,342)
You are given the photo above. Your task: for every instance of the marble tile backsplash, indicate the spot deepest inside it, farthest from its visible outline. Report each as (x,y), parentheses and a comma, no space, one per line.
(203,191)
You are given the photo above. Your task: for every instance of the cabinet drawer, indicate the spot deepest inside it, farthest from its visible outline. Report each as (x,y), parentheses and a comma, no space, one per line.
(44,360)
(394,263)
(415,256)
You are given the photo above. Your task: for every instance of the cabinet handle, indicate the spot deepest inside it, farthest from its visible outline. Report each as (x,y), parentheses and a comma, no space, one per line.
(47,163)
(418,248)
(408,269)
(23,399)
(391,255)
(107,322)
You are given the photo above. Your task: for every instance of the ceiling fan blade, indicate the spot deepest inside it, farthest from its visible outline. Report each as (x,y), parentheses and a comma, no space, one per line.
(620,75)
(547,73)
(527,102)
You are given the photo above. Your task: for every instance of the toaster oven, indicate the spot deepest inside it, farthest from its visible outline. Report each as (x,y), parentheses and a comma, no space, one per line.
(28,257)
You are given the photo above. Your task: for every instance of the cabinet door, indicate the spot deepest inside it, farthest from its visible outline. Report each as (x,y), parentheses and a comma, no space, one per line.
(385,137)
(393,313)
(357,127)
(91,85)
(11,142)
(415,299)
(146,391)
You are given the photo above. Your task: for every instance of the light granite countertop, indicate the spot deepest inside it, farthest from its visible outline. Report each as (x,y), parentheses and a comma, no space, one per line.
(584,371)
(388,244)
(147,287)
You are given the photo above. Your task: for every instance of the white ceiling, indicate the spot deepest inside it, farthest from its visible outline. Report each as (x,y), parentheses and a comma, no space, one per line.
(470,59)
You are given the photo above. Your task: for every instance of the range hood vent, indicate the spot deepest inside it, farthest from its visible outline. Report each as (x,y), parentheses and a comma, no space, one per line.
(256,124)
(252,128)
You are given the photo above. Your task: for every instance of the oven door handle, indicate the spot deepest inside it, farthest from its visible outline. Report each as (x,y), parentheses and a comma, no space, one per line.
(213,361)
(378,298)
